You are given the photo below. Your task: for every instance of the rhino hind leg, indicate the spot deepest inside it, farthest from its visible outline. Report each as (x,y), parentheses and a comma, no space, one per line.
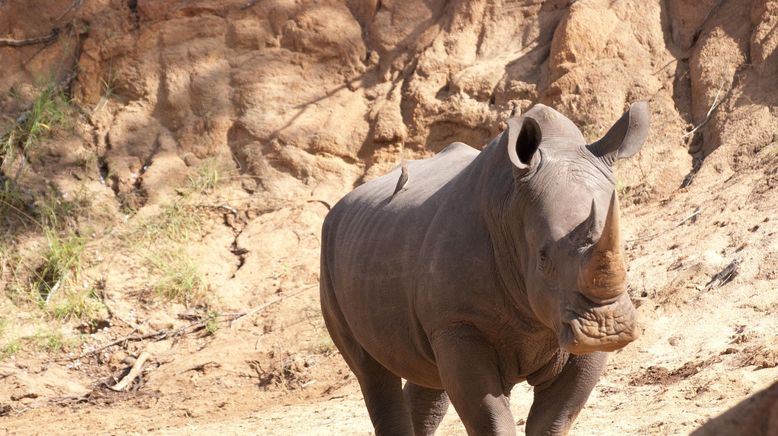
(383,395)
(428,407)
(381,389)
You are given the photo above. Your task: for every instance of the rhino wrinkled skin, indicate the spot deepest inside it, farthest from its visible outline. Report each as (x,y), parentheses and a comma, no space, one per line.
(485,270)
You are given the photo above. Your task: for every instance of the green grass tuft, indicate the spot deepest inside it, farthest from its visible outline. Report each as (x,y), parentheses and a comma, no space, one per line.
(56,211)
(175,222)
(49,110)
(207,176)
(212,323)
(10,349)
(81,304)
(13,206)
(51,342)
(179,279)
(324,346)
(62,263)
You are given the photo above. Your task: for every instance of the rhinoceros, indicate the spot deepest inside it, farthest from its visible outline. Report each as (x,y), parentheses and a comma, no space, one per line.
(486,269)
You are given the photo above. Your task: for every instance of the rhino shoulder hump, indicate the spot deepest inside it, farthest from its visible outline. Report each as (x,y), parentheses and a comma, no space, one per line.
(457,147)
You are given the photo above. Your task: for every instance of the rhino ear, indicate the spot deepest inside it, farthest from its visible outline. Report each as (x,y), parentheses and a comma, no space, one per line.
(523,141)
(626,137)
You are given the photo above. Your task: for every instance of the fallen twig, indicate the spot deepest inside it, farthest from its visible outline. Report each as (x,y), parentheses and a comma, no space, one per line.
(8,42)
(713,107)
(194,326)
(52,291)
(135,371)
(725,275)
(673,60)
(235,317)
(316,200)
(130,337)
(76,4)
(690,217)
(158,335)
(202,366)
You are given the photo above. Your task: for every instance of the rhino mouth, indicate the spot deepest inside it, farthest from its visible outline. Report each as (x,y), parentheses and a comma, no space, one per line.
(589,326)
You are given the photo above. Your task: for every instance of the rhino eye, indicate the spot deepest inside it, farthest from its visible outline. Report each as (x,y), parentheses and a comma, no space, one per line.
(581,240)
(544,263)
(585,244)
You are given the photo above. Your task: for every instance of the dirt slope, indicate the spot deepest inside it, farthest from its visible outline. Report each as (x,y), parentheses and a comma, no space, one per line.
(221,131)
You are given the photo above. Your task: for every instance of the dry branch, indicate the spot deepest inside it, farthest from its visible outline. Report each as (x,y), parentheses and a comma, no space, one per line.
(716,103)
(129,337)
(135,371)
(201,367)
(8,42)
(234,317)
(192,327)
(725,275)
(692,216)
(158,335)
(75,5)
(326,204)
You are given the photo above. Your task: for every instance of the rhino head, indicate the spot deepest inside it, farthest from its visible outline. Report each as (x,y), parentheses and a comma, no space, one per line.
(567,207)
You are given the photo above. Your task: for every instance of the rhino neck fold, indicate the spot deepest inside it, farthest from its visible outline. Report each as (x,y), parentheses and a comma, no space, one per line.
(497,201)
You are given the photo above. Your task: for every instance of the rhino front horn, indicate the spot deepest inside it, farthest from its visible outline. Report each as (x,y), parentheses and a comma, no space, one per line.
(603,275)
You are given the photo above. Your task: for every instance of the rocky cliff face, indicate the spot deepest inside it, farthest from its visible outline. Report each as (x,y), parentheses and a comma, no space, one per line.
(312,97)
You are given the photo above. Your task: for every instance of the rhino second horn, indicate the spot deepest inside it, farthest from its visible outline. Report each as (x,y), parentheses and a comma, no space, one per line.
(603,276)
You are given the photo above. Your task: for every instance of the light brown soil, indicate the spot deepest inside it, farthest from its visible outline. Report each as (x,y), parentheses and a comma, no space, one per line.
(298,102)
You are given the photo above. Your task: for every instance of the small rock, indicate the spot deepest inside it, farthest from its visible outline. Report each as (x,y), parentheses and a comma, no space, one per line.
(249,184)
(25,395)
(190,159)
(118,358)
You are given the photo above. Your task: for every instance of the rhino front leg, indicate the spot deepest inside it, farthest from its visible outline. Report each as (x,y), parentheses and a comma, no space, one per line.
(428,407)
(469,371)
(557,402)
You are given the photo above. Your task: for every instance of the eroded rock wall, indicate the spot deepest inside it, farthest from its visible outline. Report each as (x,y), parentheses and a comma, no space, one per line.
(312,97)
